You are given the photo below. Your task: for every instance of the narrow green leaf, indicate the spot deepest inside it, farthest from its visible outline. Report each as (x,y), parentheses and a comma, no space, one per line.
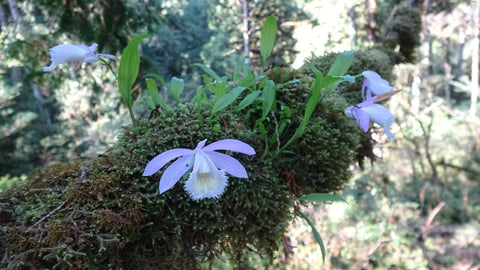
(153,92)
(268,97)
(208,71)
(316,234)
(341,64)
(267,39)
(199,95)
(311,104)
(176,87)
(128,69)
(249,99)
(227,99)
(321,197)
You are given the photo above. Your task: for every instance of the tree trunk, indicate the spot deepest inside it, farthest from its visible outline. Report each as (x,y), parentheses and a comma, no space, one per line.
(371,10)
(3,19)
(447,69)
(14,9)
(461,45)
(475,45)
(246,39)
(42,110)
(351,18)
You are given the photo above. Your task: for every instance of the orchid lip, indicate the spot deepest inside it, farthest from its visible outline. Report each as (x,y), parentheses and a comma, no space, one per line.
(208,168)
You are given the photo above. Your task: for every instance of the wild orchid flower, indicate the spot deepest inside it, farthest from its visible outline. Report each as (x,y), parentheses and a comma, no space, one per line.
(369,110)
(207,178)
(373,83)
(69,53)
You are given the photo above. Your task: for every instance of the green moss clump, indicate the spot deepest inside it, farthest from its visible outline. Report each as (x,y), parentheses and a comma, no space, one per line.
(102,213)
(321,158)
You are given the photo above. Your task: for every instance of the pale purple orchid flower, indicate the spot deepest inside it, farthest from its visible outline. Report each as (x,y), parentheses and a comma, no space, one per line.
(70,53)
(207,178)
(373,83)
(369,110)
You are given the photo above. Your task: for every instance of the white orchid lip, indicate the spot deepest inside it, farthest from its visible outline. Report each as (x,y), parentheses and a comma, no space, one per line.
(208,177)
(73,53)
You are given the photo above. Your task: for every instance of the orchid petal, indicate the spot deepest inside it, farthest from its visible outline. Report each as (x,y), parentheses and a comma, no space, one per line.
(229,164)
(362,119)
(174,172)
(200,145)
(64,53)
(205,180)
(93,47)
(382,116)
(108,55)
(375,84)
(159,161)
(232,145)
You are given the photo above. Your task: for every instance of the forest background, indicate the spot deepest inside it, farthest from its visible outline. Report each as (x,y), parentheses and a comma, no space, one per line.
(415,207)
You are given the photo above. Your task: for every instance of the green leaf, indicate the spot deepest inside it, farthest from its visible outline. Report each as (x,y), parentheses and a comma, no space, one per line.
(128,70)
(321,197)
(153,92)
(316,234)
(176,87)
(199,95)
(341,64)
(249,99)
(268,97)
(227,99)
(218,88)
(267,39)
(311,104)
(208,71)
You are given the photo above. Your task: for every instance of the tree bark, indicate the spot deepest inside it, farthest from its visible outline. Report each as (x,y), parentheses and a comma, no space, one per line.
(371,9)
(461,45)
(351,18)
(42,110)
(3,19)
(14,10)
(246,38)
(475,62)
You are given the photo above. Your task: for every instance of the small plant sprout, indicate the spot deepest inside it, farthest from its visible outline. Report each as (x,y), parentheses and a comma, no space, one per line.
(207,178)
(74,53)
(373,83)
(369,110)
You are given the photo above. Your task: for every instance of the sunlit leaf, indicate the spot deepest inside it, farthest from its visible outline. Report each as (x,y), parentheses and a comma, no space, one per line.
(341,64)
(128,70)
(267,39)
(176,87)
(249,99)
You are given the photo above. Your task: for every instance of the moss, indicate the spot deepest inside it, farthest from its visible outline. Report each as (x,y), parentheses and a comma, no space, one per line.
(110,216)
(321,157)
(101,213)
